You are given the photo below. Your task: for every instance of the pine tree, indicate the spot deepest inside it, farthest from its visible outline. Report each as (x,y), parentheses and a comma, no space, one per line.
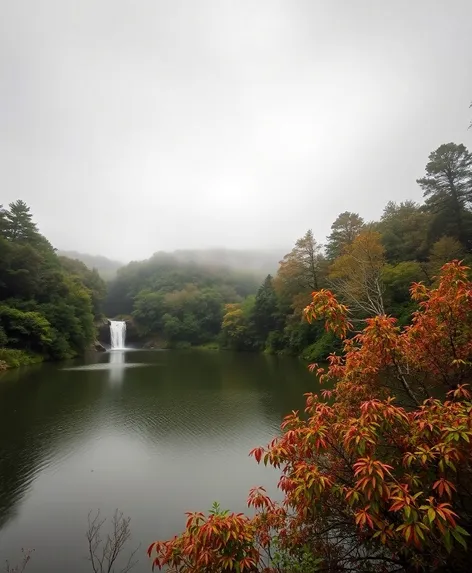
(3,222)
(343,232)
(20,225)
(447,187)
(265,313)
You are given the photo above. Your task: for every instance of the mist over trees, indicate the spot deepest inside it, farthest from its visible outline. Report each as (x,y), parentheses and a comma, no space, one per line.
(51,304)
(375,473)
(180,302)
(192,298)
(369,265)
(105,267)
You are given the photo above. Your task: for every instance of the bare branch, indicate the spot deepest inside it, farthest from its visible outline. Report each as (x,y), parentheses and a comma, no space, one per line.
(103,554)
(26,556)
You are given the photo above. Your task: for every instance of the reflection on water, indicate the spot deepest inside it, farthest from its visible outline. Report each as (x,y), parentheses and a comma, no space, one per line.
(115,366)
(154,441)
(117,361)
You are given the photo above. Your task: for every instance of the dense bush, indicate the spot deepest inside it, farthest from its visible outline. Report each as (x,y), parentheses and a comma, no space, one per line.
(12,358)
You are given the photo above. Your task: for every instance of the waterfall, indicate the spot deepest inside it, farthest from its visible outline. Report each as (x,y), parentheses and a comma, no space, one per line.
(117,334)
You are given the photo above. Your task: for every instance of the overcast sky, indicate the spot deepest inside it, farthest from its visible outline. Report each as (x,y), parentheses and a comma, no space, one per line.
(131,126)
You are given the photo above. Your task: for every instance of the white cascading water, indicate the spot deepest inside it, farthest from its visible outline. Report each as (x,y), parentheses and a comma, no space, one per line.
(117,334)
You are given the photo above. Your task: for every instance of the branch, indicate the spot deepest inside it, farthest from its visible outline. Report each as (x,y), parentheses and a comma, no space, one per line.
(24,562)
(103,556)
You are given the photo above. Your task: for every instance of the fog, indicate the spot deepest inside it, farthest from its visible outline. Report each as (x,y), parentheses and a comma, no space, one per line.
(132,127)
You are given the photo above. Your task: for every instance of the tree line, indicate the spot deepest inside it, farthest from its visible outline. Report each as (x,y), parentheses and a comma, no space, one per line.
(48,304)
(376,472)
(176,302)
(369,265)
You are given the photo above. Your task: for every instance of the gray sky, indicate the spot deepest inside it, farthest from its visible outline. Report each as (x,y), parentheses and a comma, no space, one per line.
(131,126)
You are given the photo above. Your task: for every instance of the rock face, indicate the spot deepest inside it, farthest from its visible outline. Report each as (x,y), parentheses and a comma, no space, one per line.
(155,344)
(104,332)
(98,347)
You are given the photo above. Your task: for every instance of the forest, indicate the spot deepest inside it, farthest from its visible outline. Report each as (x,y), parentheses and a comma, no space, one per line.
(375,473)
(51,305)
(48,304)
(370,265)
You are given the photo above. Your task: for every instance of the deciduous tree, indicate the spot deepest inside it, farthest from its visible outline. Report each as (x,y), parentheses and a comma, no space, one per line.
(368,485)
(443,250)
(357,275)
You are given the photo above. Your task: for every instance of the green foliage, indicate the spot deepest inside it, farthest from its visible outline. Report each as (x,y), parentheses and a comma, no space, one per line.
(398,278)
(370,267)
(266,315)
(30,330)
(297,560)
(237,329)
(188,315)
(343,232)
(48,303)
(275,342)
(19,225)
(447,187)
(404,230)
(13,358)
(303,269)
(90,279)
(209,346)
(322,348)
(106,268)
(442,251)
(177,300)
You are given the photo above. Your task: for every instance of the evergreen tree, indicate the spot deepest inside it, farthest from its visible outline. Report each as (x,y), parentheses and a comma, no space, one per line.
(404,229)
(303,269)
(46,308)
(3,222)
(265,313)
(343,232)
(447,187)
(20,225)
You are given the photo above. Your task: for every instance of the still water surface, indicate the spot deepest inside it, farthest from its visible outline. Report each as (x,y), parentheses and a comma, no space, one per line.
(152,433)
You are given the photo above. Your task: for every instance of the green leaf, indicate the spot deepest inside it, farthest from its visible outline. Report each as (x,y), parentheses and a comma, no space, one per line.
(458,537)
(448,541)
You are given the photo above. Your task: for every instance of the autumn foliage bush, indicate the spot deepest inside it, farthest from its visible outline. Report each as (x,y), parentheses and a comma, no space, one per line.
(376,474)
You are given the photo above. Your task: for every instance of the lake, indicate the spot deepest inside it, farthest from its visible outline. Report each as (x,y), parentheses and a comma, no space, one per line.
(153,433)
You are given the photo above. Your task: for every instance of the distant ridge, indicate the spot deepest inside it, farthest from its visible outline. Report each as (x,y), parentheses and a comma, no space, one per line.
(258,262)
(106,268)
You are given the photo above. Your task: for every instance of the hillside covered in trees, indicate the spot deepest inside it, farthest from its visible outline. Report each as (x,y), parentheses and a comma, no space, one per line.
(370,265)
(105,267)
(179,301)
(259,262)
(48,304)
